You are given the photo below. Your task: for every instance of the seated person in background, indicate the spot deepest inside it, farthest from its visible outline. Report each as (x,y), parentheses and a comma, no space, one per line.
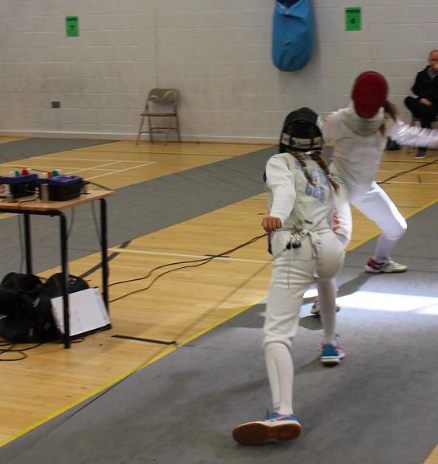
(423,99)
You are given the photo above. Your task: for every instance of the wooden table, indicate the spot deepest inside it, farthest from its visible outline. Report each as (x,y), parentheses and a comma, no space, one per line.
(31,207)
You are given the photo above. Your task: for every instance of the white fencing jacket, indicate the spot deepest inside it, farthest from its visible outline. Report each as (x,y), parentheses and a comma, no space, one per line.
(299,205)
(359,145)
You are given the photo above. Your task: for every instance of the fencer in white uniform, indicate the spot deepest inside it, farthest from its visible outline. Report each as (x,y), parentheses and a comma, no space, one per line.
(360,133)
(305,250)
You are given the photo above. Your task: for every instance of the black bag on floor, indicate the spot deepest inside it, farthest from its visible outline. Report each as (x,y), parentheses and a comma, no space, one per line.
(26,309)
(52,288)
(24,317)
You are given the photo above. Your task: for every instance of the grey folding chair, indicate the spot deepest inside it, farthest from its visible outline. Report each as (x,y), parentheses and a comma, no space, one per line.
(161,114)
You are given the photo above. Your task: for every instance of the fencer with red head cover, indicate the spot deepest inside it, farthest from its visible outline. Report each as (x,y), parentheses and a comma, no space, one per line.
(369,94)
(359,134)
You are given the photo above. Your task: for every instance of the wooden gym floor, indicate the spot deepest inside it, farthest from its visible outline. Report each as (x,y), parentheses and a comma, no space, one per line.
(181,305)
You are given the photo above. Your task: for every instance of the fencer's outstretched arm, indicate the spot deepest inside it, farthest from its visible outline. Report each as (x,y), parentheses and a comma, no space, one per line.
(282,184)
(404,134)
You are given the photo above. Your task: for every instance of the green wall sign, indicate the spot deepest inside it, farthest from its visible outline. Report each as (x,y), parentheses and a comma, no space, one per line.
(353,18)
(72,26)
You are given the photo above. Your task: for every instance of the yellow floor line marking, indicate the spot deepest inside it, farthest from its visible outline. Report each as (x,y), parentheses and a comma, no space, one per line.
(165,352)
(421,208)
(222,321)
(407,217)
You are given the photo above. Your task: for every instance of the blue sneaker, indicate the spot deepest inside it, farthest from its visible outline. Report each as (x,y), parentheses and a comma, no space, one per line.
(331,355)
(275,427)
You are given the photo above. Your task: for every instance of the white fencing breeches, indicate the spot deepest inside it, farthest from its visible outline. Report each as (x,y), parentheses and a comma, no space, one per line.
(318,260)
(379,208)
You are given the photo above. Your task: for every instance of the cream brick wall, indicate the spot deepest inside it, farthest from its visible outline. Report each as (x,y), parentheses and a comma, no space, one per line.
(216,52)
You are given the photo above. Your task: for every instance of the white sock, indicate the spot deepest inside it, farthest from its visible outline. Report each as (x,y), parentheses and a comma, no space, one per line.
(280,374)
(327,305)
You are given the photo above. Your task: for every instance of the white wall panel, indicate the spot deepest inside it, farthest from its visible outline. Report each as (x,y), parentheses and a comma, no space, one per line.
(216,52)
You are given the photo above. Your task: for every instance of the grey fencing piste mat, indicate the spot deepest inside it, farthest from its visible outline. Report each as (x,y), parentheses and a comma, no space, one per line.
(140,209)
(21,149)
(379,406)
(135,210)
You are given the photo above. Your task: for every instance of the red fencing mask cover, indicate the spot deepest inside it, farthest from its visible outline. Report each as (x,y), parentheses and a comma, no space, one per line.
(369,93)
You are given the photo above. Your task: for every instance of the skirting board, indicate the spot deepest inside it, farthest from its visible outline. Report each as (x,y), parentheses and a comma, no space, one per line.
(121,136)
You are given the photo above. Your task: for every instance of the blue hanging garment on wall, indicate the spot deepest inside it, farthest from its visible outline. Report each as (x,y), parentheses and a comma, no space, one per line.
(292,37)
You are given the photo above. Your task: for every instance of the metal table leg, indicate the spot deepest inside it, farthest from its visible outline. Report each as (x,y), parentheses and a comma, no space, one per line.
(64,254)
(65,278)
(104,251)
(27,242)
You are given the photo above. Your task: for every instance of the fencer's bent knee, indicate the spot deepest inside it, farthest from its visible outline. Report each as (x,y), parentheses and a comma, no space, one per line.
(396,231)
(330,257)
(277,338)
(269,345)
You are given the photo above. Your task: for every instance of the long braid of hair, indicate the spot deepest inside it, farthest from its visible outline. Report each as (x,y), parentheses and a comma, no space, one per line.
(316,156)
(302,160)
(392,112)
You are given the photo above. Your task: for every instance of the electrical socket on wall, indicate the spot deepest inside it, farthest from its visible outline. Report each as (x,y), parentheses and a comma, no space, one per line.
(56,104)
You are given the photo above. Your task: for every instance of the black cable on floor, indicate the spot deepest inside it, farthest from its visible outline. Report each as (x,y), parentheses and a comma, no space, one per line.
(11,349)
(200,262)
(401,173)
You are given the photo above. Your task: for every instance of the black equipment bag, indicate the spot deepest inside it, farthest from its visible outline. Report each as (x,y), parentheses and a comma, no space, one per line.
(26,309)
(24,318)
(52,288)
